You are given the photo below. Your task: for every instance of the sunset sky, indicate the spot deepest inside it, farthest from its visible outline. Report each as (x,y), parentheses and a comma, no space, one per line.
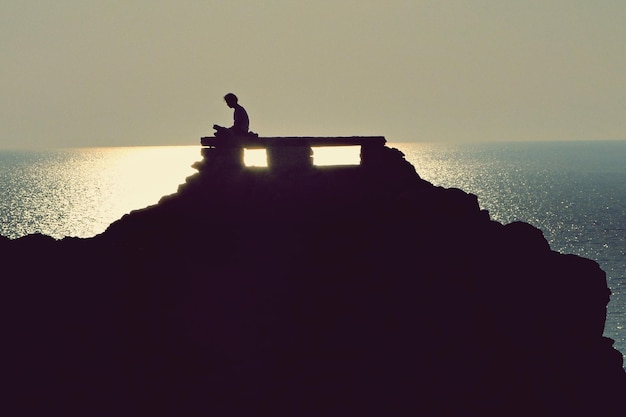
(81,73)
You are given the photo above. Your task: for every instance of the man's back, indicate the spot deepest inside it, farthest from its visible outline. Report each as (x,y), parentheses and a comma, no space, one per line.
(241,121)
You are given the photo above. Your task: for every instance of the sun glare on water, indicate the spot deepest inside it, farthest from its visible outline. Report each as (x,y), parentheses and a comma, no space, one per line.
(79,192)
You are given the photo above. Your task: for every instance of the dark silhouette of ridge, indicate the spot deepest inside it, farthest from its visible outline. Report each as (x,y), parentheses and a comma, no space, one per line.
(362,291)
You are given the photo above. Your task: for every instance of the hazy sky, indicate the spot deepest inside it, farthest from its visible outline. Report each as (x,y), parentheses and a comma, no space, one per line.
(147,72)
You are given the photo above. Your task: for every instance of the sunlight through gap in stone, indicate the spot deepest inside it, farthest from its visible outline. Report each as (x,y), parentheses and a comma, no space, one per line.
(255,157)
(337,155)
(322,156)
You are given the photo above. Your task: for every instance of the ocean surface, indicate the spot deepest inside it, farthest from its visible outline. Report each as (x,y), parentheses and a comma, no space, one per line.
(575,192)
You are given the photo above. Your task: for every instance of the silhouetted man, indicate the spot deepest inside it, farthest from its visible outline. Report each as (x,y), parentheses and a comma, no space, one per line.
(241,122)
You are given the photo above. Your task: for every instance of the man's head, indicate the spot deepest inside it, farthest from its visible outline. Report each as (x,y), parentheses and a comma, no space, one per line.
(231,100)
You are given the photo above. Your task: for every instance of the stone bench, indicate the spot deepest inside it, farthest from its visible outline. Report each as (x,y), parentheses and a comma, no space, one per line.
(283,152)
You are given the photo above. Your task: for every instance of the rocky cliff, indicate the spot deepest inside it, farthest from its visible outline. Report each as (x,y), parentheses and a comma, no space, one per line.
(361,291)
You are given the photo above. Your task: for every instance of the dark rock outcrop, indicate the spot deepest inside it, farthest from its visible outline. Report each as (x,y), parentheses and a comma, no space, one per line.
(325,292)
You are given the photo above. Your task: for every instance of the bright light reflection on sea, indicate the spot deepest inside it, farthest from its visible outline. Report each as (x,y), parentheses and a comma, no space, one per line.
(79,192)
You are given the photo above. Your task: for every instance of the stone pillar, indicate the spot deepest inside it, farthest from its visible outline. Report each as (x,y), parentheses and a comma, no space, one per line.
(372,155)
(289,157)
(224,157)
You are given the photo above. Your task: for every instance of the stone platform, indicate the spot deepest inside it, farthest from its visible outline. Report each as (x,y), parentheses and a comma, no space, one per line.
(284,152)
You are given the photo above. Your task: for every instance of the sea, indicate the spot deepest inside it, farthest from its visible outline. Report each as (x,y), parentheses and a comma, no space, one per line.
(573,191)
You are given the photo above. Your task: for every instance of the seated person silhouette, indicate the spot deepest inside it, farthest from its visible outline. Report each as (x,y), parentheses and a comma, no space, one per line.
(241,122)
